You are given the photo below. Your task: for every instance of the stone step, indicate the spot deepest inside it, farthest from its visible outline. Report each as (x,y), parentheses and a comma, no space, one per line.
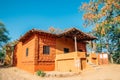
(93,66)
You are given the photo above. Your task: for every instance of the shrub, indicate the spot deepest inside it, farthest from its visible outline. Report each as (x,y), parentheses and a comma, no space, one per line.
(43,74)
(116,57)
(40,73)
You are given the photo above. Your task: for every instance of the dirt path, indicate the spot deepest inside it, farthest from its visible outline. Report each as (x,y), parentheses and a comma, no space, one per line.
(107,72)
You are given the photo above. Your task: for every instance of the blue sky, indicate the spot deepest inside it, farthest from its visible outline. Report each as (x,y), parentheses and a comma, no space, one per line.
(20,16)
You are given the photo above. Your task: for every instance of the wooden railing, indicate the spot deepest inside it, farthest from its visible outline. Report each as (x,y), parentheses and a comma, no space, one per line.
(81,54)
(71,55)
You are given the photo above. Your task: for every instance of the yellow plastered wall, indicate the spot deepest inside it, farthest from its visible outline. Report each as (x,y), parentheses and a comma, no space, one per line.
(62,43)
(93,58)
(67,65)
(70,61)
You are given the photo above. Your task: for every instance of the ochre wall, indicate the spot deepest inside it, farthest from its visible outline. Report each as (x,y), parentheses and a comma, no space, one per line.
(45,66)
(35,60)
(46,62)
(21,60)
(18,55)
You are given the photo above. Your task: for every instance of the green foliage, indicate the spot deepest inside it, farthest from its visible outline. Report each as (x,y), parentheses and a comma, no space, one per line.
(3,34)
(104,16)
(41,73)
(2,55)
(101,12)
(116,57)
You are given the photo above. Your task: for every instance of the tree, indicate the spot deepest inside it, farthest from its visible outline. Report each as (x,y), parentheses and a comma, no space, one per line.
(9,47)
(2,55)
(100,12)
(104,16)
(3,39)
(3,34)
(55,30)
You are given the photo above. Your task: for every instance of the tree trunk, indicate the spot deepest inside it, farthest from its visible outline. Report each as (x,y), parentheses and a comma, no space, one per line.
(11,58)
(111,59)
(117,60)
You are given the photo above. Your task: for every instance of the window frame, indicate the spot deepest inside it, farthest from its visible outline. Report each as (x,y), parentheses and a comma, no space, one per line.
(46,50)
(27,52)
(66,50)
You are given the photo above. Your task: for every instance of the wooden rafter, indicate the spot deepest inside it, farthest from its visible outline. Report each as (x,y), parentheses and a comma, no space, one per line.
(70,33)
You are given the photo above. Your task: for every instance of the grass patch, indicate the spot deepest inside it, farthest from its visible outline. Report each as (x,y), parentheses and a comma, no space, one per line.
(41,73)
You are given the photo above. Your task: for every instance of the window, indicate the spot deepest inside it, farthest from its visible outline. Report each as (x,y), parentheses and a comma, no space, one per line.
(66,50)
(80,50)
(27,51)
(46,49)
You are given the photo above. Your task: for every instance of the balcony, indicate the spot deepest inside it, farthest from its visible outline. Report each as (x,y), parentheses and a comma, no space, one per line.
(71,55)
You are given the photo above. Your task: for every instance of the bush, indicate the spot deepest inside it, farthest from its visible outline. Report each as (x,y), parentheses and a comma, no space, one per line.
(43,74)
(40,73)
(116,57)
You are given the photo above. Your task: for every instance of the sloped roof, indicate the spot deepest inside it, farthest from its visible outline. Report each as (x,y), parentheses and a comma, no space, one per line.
(70,33)
(30,32)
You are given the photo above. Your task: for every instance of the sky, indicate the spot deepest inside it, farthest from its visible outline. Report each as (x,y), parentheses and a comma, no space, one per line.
(19,16)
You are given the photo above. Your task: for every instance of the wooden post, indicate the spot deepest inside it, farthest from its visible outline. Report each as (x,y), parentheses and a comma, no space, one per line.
(75,43)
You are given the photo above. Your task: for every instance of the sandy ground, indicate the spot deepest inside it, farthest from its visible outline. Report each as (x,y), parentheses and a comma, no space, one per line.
(107,72)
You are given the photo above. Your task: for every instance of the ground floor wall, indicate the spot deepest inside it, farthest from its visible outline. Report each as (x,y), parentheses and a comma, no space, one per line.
(27,67)
(32,68)
(65,65)
(45,66)
(70,65)
(93,58)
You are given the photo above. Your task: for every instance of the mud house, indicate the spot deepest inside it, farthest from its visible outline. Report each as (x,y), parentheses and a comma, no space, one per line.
(40,50)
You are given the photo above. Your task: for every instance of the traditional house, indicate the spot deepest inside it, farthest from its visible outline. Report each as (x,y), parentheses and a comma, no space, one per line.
(40,50)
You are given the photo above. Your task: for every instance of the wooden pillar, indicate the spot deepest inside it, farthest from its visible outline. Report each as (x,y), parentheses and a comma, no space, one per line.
(75,40)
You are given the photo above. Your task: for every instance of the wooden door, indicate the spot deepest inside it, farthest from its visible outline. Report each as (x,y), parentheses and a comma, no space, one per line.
(83,63)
